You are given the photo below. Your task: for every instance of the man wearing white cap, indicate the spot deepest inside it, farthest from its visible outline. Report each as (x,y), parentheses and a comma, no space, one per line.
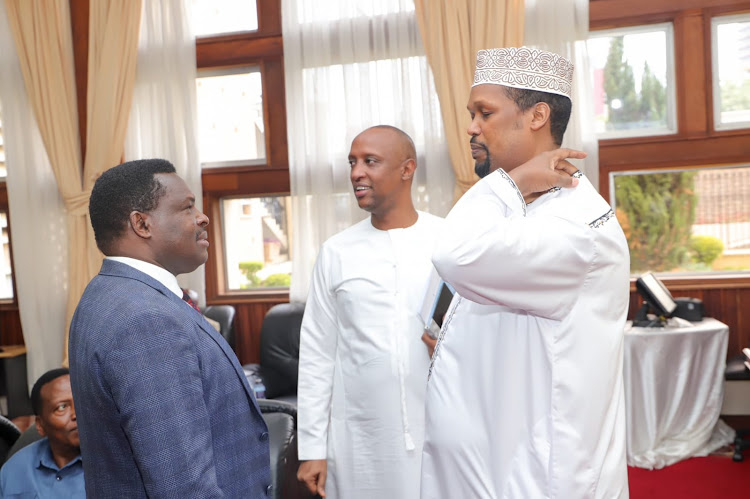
(525,397)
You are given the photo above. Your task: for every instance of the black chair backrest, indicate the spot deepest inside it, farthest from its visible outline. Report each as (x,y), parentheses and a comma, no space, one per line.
(224,315)
(281,419)
(19,440)
(9,433)
(279,348)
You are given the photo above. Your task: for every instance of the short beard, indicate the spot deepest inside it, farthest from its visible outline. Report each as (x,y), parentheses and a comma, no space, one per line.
(482,169)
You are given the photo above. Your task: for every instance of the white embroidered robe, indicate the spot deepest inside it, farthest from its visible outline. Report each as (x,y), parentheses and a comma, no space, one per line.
(525,398)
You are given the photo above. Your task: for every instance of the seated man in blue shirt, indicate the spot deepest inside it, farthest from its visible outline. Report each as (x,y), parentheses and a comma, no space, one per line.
(50,467)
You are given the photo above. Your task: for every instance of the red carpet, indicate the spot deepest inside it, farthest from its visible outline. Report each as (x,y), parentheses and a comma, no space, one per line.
(712,477)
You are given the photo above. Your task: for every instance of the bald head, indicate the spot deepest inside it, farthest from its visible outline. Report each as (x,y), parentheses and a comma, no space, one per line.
(401,141)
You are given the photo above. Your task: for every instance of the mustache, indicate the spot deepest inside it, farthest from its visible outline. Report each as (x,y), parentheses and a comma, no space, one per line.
(474,141)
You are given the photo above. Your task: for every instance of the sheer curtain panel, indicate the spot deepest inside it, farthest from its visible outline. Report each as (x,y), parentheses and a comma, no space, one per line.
(562,26)
(453,32)
(163,122)
(351,64)
(40,242)
(113,42)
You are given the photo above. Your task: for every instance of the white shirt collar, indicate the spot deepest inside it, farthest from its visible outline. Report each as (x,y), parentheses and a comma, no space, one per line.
(160,274)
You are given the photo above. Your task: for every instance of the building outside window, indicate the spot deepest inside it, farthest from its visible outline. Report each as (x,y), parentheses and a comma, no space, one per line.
(257,242)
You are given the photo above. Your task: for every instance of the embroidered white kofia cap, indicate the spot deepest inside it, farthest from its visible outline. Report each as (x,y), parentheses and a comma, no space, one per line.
(524,67)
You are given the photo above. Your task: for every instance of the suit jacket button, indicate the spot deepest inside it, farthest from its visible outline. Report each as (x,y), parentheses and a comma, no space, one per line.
(269,490)
(264,436)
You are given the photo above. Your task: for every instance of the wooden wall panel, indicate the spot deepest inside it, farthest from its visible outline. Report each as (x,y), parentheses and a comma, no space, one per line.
(730,305)
(10,327)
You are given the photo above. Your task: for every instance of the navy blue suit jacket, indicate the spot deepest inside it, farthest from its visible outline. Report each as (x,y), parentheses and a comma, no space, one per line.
(163,406)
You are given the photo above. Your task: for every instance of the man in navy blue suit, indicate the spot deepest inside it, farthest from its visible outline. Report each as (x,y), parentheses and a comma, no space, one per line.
(163,406)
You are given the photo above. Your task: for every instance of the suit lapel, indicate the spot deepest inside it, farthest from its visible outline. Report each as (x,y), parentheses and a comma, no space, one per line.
(231,356)
(113,268)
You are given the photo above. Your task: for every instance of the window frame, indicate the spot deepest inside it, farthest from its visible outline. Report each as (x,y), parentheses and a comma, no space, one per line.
(8,303)
(263,48)
(715,87)
(696,142)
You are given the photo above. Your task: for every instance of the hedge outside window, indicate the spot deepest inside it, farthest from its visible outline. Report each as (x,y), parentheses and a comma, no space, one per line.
(257,242)
(685,220)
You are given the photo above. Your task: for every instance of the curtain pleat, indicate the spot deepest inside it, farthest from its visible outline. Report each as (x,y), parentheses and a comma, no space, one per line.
(113,50)
(452,33)
(42,33)
(348,65)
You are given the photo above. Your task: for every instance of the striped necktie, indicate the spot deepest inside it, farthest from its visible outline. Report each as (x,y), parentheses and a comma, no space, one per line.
(190,302)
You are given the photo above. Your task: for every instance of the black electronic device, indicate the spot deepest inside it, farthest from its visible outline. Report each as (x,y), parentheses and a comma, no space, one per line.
(690,309)
(659,301)
(435,305)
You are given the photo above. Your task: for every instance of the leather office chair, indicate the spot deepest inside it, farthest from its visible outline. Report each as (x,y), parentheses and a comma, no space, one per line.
(30,436)
(737,371)
(279,352)
(9,434)
(224,315)
(281,418)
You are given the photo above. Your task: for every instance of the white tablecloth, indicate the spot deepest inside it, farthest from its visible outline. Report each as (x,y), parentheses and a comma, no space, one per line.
(674,383)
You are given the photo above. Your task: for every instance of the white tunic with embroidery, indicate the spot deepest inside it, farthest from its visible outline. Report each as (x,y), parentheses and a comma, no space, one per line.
(525,398)
(362,365)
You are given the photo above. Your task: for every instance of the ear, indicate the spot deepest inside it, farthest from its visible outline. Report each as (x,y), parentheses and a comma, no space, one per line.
(540,115)
(408,168)
(140,224)
(39,427)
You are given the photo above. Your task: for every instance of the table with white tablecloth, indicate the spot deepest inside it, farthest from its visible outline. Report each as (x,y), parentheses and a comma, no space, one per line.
(674,385)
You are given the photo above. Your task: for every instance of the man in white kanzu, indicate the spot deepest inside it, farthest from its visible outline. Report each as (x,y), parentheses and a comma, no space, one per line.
(525,398)
(362,365)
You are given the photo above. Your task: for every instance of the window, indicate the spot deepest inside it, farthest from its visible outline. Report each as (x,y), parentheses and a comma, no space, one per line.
(230,117)
(257,242)
(334,10)
(685,220)
(212,18)
(3,171)
(633,81)
(677,195)
(6,272)
(731,71)
(6,269)
(242,147)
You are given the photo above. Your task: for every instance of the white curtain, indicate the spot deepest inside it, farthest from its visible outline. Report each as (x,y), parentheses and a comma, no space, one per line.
(37,219)
(163,121)
(351,64)
(562,26)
